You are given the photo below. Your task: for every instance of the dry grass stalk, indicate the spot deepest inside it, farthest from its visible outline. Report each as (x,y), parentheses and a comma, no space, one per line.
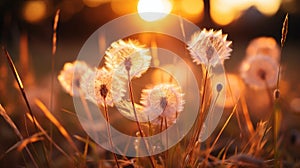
(34,138)
(19,81)
(61,129)
(17,132)
(48,137)
(284,30)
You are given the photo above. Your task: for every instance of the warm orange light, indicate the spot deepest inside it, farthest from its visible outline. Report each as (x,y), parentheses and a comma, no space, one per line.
(192,7)
(220,14)
(268,7)
(34,11)
(223,12)
(122,7)
(94,3)
(158,8)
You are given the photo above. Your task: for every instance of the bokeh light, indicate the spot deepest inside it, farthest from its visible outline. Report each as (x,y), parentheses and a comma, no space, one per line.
(268,7)
(224,12)
(94,3)
(161,7)
(34,11)
(122,7)
(192,9)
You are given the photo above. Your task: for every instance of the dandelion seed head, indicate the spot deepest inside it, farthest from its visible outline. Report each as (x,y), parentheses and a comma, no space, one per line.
(259,70)
(209,47)
(107,88)
(71,74)
(164,100)
(87,85)
(128,56)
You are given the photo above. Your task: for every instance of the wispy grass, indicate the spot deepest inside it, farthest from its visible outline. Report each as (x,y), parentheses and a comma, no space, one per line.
(17,132)
(58,125)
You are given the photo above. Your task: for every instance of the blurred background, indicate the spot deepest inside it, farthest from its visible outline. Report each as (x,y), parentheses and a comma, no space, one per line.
(26,28)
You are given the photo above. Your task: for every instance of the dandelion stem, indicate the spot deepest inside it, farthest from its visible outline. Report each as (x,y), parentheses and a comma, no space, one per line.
(199,122)
(137,120)
(109,131)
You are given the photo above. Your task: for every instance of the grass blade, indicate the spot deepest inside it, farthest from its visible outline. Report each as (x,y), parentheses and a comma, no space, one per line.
(19,81)
(48,137)
(61,129)
(17,132)
(284,30)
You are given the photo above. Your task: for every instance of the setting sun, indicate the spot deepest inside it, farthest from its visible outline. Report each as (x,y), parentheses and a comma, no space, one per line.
(151,10)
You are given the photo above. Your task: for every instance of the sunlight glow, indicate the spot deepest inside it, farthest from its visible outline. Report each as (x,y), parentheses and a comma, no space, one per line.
(159,8)
(94,3)
(34,11)
(193,7)
(268,7)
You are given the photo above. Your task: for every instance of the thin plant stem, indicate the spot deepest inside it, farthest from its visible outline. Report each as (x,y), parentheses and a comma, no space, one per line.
(48,137)
(54,40)
(21,88)
(137,120)
(17,132)
(232,99)
(167,143)
(109,131)
(188,156)
(221,131)
(19,81)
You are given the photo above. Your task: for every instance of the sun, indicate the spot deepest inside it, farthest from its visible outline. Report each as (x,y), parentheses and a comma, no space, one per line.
(151,10)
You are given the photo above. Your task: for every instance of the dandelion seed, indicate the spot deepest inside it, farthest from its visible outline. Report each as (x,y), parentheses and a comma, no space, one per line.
(128,56)
(107,87)
(72,74)
(164,100)
(209,47)
(259,71)
(263,46)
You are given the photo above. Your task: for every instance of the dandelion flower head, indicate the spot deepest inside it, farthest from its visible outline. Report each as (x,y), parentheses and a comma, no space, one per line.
(71,74)
(87,85)
(209,47)
(164,100)
(259,71)
(107,87)
(124,56)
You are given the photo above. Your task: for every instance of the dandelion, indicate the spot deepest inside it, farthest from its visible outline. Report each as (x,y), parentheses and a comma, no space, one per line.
(107,87)
(260,71)
(209,47)
(263,46)
(164,100)
(71,74)
(87,85)
(128,56)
